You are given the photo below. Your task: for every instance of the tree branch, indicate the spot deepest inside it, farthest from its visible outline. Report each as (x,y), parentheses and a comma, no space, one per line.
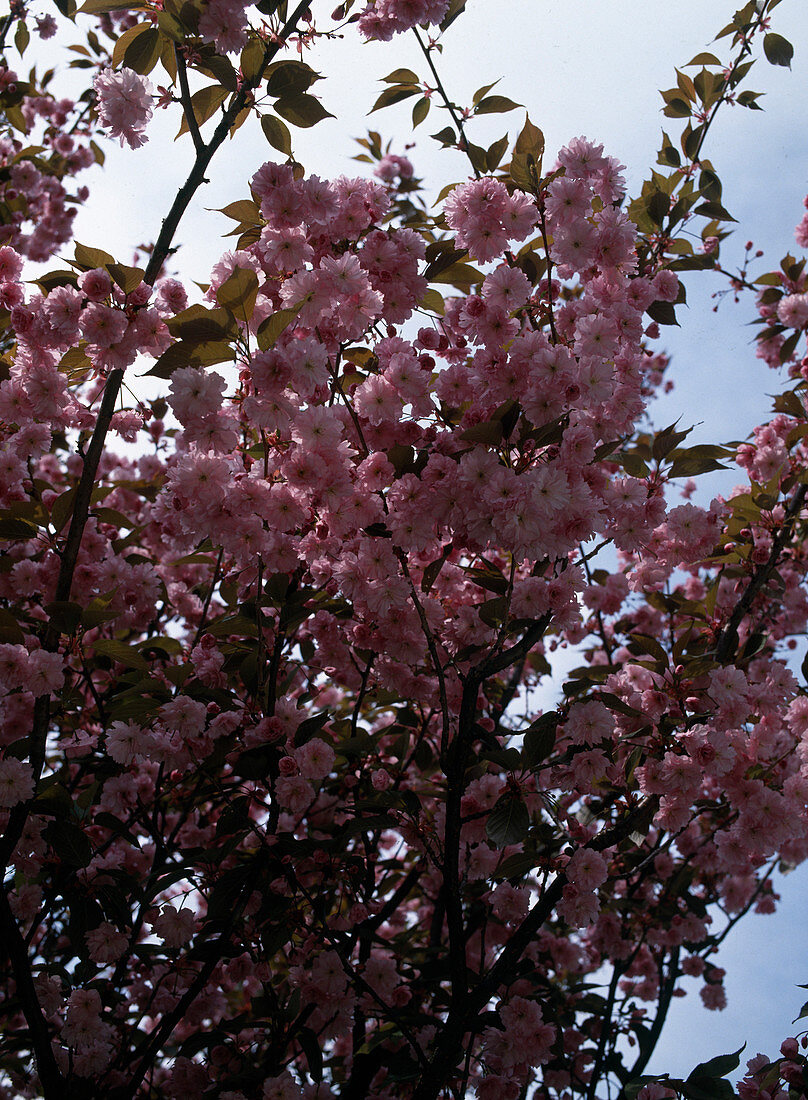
(185,99)
(728,639)
(53,1085)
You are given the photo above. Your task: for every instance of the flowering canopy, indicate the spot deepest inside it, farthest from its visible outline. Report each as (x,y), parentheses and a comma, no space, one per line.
(273,824)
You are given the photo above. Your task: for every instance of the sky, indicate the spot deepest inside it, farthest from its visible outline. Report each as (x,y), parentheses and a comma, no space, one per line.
(590,67)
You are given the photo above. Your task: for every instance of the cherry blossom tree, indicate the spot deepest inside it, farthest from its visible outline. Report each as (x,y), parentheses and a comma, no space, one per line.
(280,818)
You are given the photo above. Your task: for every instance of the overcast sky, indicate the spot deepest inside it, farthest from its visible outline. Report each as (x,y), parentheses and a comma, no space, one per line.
(590,67)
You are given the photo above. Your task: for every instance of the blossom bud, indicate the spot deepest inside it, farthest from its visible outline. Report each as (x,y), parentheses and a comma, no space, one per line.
(287,765)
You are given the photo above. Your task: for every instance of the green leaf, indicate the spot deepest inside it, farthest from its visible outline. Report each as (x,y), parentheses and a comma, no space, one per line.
(691,141)
(663,313)
(456,8)
(719,1066)
(98,7)
(127,278)
(634,1087)
(255,763)
(677,108)
(243,210)
(420,111)
(495,104)
(54,800)
(270,329)
(235,817)
(62,509)
(487,431)
(65,615)
(508,822)
(703,59)
(667,440)
(69,843)
(286,79)
(310,727)
(190,354)
(495,153)
(491,578)
(433,569)
(204,103)
(516,866)
(462,276)
(446,136)
(715,211)
(540,739)
(644,643)
(122,653)
(11,632)
(481,93)
(707,1088)
(238,292)
(530,140)
(21,37)
(632,463)
(172,29)
(701,459)
(53,279)
(314,1055)
(658,205)
(394,95)
(749,99)
(196,323)
(142,50)
(492,612)
(114,825)
(525,172)
(668,154)
(302,110)
(90,258)
(251,59)
(778,50)
(277,134)
(401,76)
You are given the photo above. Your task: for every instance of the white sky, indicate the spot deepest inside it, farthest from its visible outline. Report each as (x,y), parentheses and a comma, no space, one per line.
(590,67)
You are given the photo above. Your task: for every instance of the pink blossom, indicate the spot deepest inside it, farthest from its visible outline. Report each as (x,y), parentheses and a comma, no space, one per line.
(127,742)
(383,18)
(793,310)
(106,943)
(16,782)
(294,793)
(124,104)
(315,759)
(224,22)
(282,1087)
(173,926)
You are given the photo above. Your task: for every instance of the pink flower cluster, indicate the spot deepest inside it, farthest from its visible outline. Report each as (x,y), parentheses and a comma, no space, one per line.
(382,19)
(299,603)
(31,186)
(485,217)
(124,105)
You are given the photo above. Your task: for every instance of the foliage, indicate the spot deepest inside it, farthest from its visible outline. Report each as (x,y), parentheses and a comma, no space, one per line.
(279,819)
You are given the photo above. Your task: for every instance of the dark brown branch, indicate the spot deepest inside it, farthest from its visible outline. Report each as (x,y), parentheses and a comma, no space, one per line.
(53,1086)
(463,1012)
(667,986)
(185,99)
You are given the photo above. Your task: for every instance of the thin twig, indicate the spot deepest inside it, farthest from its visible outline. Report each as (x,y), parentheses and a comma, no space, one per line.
(446,101)
(185,100)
